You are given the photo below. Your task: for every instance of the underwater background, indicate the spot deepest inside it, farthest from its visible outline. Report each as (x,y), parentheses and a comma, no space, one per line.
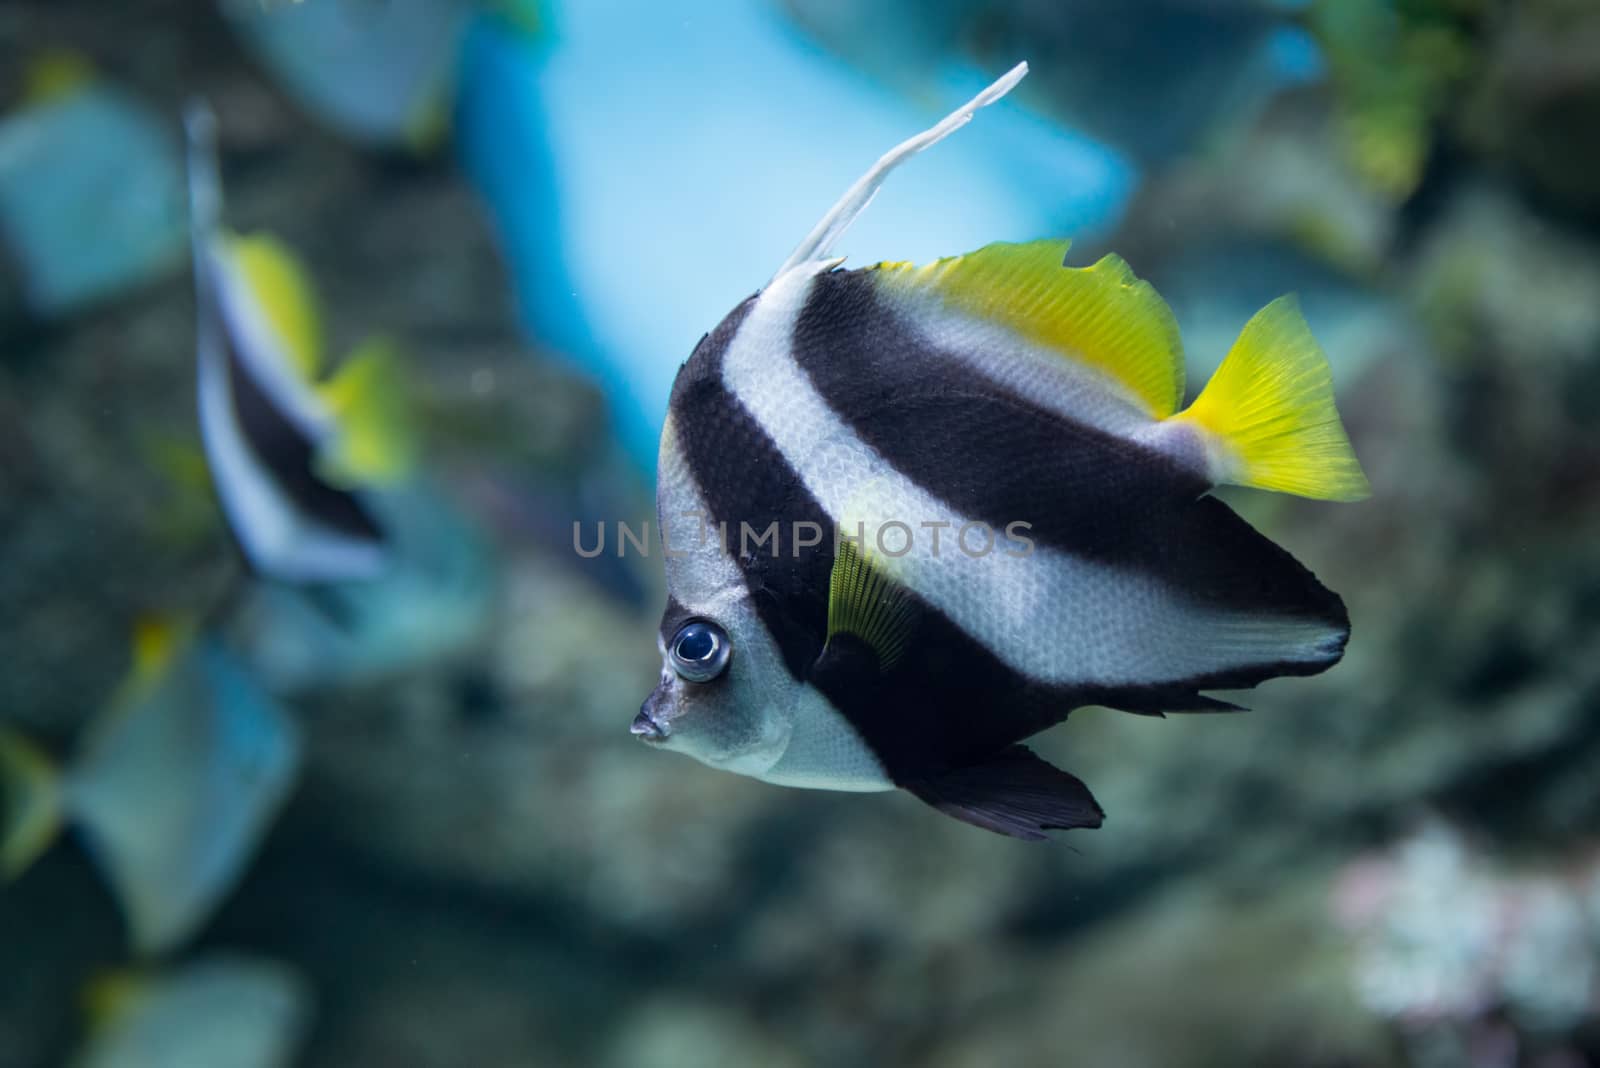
(403,823)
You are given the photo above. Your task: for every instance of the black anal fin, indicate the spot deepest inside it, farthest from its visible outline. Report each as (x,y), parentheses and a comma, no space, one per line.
(1014,793)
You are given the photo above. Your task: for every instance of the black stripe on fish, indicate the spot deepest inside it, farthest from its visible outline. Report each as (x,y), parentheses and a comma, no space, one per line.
(995,456)
(280,447)
(674,617)
(950,702)
(743,477)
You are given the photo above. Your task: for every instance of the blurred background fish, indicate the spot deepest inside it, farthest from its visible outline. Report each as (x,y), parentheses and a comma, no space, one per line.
(215,1011)
(540,206)
(171,788)
(287,451)
(366,569)
(90,189)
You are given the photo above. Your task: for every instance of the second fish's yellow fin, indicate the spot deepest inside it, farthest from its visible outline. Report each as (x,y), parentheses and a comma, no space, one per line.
(374,444)
(1103,316)
(1269,413)
(30,803)
(865,602)
(282,289)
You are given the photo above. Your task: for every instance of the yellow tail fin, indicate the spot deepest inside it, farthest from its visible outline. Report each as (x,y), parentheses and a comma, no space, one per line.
(375,444)
(1269,415)
(30,788)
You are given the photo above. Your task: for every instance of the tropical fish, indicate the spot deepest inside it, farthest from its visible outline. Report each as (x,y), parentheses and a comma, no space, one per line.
(370,568)
(292,454)
(220,1010)
(91,191)
(820,632)
(171,787)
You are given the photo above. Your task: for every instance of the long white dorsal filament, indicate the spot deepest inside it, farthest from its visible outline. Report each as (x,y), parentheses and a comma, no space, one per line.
(205,185)
(819,242)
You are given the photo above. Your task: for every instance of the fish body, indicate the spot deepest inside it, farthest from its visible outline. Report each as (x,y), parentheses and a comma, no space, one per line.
(91,192)
(219,1010)
(915,515)
(172,786)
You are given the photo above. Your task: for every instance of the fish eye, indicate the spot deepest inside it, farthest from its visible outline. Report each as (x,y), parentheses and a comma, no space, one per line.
(700,651)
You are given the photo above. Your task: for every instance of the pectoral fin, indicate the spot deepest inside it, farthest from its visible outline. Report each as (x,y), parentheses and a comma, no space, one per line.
(866,602)
(1015,793)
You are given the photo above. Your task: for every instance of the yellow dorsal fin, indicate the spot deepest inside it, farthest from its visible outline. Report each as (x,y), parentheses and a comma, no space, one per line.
(374,444)
(283,289)
(865,602)
(30,803)
(1103,316)
(1269,413)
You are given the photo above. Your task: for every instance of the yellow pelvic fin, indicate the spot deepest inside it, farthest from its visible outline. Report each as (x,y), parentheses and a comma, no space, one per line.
(1269,413)
(282,287)
(863,601)
(1103,316)
(30,803)
(375,444)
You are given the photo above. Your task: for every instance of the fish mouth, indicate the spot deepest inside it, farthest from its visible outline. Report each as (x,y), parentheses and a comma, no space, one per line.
(647,729)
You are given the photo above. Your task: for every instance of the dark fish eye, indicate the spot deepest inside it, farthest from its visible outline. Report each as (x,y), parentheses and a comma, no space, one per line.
(700,651)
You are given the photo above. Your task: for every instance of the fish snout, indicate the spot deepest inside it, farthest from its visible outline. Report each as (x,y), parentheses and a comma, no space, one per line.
(650,724)
(647,728)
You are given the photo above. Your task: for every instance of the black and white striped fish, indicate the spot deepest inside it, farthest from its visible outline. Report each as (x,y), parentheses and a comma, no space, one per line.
(291,453)
(916,515)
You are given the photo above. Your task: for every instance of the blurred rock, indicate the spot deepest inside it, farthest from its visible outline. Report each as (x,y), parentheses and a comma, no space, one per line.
(1157,79)
(1538,102)
(1455,950)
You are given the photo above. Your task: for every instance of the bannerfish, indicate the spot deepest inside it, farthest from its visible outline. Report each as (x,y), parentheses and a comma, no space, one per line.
(371,569)
(292,454)
(172,786)
(914,515)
